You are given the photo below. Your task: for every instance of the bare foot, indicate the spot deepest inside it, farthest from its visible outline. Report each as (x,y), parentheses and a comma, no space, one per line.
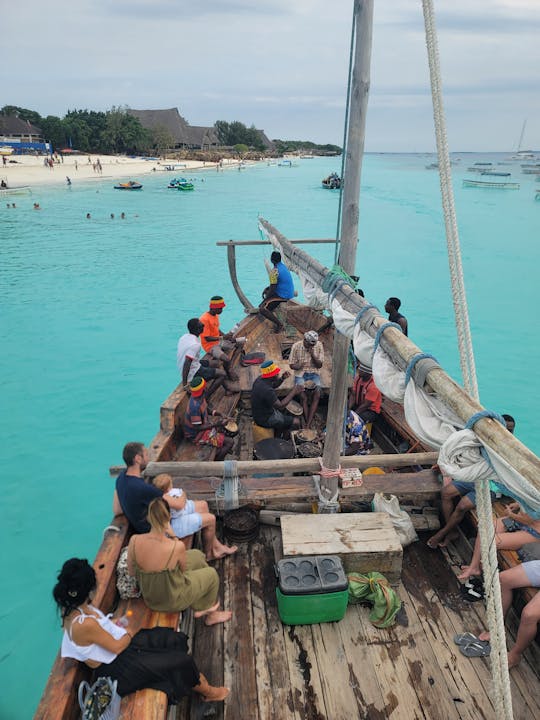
(448,539)
(218,616)
(469,571)
(484,636)
(202,613)
(222,551)
(434,541)
(514,659)
(217,694)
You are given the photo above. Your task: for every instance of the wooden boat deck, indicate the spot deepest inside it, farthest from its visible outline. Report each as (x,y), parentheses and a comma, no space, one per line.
(348,669)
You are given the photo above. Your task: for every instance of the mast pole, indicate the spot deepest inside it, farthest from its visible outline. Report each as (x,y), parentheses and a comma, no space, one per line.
(363,24)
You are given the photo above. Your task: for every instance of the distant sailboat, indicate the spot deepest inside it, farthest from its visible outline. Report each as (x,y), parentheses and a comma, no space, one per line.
(523,154)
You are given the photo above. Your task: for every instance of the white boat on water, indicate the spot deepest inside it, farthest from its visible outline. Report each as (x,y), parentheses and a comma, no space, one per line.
(16,190)
(492,185)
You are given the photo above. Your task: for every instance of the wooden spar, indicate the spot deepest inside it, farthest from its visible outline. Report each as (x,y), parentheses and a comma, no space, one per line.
(401,349)
(231,258)
(227,243)
(333,446)
(247,467)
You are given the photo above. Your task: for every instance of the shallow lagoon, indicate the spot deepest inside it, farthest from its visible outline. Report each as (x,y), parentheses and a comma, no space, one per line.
(91,312)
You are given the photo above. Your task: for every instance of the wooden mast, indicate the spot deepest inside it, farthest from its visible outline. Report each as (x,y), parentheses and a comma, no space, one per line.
(363,22)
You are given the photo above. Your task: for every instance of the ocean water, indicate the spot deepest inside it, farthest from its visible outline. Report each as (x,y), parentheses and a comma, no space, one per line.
(91,311)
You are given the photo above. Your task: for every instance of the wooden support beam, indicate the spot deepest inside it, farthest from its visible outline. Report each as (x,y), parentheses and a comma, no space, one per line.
(315,241)
(299,465)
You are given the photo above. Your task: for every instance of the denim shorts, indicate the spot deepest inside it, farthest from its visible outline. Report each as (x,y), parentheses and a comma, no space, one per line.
(511,525)
(532,570)
(307,377)
(466,489)
(187,522)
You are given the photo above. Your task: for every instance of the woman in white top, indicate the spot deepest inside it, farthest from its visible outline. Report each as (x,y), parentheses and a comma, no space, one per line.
(151,658)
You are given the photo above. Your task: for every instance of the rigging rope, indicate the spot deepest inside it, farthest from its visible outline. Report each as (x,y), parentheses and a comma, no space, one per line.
(452,237)
(345,131)
(499,663)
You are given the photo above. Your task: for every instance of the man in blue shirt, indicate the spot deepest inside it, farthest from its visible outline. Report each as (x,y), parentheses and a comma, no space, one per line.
(280,290)
(133,495)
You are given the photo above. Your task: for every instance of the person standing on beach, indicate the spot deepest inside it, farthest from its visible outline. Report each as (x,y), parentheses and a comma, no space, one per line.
(132,494)
(280,290)
(392,306)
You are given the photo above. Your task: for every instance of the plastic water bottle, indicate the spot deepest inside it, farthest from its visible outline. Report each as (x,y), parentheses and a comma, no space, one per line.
(122,621)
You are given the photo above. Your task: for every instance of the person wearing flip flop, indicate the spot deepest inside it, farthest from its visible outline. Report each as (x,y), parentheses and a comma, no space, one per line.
(306,359)
(511,533)
(213,341)
(525,575)
(466,493)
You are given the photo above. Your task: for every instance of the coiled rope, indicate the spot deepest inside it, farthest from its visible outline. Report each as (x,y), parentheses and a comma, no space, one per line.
(499,663)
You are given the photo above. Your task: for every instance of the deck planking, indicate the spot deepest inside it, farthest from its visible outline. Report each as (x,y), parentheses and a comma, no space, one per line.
(350,669)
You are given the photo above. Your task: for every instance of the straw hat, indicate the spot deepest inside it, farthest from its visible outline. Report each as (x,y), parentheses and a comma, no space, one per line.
(294,407)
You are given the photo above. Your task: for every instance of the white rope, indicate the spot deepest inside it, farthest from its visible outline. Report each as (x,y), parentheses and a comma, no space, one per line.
(499,663)
(452,238)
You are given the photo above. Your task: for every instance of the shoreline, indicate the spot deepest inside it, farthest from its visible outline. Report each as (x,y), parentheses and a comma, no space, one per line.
(30,171)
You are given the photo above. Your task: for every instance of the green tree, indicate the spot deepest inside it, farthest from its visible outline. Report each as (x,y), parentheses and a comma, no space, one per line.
(54,131)
(23,113)
(161,139)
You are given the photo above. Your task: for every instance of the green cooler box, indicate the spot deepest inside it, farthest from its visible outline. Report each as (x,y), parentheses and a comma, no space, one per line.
(311,589)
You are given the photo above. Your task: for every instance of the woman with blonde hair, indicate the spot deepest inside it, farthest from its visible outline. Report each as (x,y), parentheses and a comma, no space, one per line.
(170,577)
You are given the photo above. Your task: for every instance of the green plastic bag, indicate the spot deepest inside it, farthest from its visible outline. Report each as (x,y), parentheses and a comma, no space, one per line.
(374,588)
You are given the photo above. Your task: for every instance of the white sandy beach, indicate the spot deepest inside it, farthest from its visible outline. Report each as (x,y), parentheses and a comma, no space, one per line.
(29,170)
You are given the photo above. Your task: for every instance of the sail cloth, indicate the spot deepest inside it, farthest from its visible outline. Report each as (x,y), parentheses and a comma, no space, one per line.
(430,419)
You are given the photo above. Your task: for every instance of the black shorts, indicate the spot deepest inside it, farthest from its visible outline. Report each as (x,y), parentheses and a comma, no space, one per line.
(205,371)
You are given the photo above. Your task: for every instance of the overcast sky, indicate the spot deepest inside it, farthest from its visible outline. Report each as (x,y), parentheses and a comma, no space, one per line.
(282,65)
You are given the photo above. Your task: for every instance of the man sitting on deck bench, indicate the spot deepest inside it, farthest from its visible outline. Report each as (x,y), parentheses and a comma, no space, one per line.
(280,290)
(265,406)
(306,359)
(133,495)
(365,397)
(453,489)
(188,353)
(213,341)
(200,426)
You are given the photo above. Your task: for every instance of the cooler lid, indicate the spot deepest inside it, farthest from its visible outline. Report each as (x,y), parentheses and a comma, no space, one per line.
(311,575)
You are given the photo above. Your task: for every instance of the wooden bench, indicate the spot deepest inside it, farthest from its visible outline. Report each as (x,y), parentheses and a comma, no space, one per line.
(145,704)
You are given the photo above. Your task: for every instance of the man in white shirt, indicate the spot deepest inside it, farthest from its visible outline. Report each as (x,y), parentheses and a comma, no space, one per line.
(188,354)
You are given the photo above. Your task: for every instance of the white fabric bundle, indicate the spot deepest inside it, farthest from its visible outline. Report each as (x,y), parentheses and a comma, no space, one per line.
(430,420)
(388,378)
(461,459)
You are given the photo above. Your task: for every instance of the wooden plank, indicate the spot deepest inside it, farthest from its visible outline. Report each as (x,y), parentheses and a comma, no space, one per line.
(365,542)
(298,465)
(239,661)
(272,673)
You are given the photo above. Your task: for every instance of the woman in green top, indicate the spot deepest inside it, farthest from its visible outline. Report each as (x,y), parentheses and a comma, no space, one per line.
(170,577)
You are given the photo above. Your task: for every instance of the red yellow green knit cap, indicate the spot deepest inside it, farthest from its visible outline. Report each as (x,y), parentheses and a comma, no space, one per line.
(197,386)
(217,302)
(269,369)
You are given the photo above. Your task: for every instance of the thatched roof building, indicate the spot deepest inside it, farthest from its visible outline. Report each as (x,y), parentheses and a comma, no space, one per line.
(12,127)
(182,133)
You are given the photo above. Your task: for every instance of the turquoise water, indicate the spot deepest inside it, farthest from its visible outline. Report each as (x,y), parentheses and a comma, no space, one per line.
(92,309)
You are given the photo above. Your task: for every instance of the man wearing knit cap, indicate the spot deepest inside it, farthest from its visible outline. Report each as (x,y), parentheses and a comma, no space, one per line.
(265,405)
(365,397)
(306,359)
(200,425)
(213,341)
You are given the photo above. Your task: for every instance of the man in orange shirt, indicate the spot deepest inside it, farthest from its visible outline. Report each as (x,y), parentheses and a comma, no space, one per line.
(365,397)
(213,341)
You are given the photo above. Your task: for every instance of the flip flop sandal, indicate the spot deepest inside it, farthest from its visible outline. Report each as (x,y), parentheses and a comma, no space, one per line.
(475,649)
(466,638)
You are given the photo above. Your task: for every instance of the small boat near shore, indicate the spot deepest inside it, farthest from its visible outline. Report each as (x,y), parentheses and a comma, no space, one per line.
(491,185)
(16,190)
(494,173)
(181,184)
(332,182)
(130,185)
